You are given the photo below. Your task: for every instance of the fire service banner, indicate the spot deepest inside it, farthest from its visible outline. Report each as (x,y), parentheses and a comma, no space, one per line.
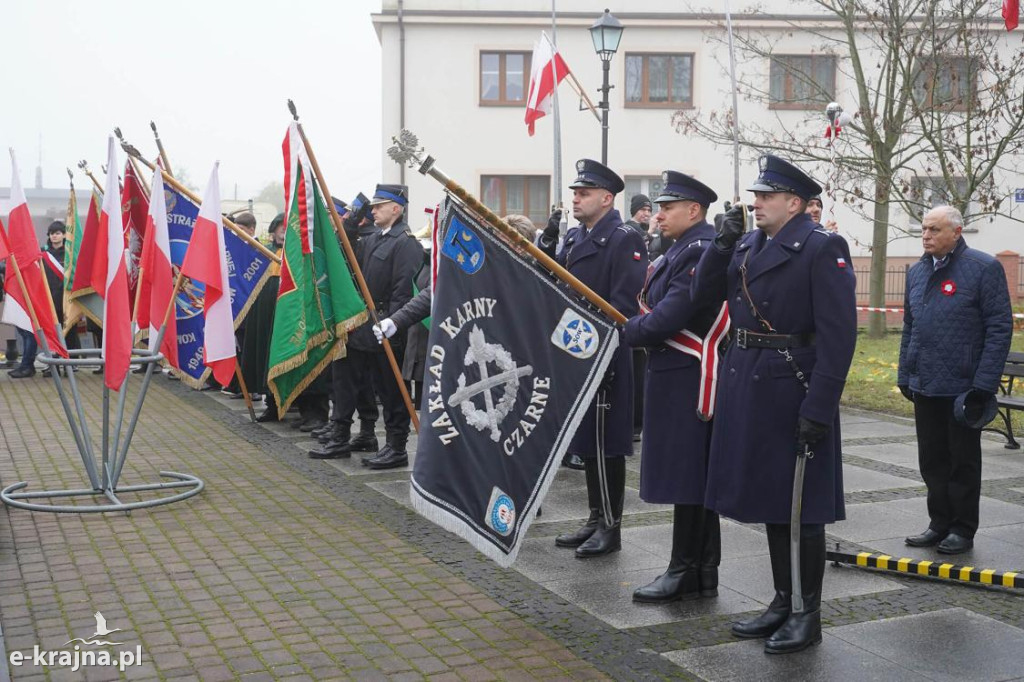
(513,363)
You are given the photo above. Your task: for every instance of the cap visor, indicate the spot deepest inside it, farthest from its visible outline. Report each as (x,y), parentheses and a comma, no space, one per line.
(761,187)
(379,200)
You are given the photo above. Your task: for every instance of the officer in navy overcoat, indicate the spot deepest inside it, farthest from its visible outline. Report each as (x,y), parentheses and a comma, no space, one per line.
(790,288)
(611,259)
(677,427)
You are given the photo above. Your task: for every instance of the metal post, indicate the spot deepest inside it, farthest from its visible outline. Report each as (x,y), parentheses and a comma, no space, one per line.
(605,87)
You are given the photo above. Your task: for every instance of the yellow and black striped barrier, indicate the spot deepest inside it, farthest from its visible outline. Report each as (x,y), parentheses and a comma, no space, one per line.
(932,569)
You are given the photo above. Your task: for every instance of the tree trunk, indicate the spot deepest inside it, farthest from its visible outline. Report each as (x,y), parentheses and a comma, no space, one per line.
(879,249)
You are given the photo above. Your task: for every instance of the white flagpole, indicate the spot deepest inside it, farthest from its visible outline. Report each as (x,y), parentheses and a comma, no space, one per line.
(556,189)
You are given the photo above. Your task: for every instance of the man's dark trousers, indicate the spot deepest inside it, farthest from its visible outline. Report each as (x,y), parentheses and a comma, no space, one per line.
(352,391)
(949,454)
(396,417)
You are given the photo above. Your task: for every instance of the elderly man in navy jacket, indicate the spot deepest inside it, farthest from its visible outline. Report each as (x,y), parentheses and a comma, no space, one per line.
(957,326)
(611,259)
(682,338)
(790,287)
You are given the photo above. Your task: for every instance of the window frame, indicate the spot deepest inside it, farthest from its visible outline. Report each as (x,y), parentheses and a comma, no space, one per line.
(941,63)
(502,210)
(503,100)
(645,82)
(920,185)
(791,73)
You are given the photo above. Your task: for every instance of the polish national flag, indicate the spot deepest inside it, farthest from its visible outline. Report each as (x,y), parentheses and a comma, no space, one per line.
(157,281)
(542,80)
(110,280)
(20,242)
(294,153)
(206,262)
(1011,13)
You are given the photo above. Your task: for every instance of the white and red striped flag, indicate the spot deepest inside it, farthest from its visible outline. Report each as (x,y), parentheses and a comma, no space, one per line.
(157,280)
(206,261)
(293,150)
(110,280)
(20,242)
(542,81)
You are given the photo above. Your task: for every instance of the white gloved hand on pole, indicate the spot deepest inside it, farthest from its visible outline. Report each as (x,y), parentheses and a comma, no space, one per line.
(384,330)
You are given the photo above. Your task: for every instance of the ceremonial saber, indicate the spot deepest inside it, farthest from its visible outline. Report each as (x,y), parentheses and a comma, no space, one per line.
(797,597)
(735,108)
(339,228)
(405,150)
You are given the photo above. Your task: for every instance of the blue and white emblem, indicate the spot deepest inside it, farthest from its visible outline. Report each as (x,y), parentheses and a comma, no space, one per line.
(501,512)
(463,246)
(575,335)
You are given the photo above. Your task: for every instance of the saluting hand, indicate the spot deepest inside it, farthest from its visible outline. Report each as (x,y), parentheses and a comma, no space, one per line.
(732,229)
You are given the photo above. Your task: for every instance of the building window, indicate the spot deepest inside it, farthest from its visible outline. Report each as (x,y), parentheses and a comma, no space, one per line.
(942,82)
(927,192)
(659,80)
(640,184)
(801,81)
(528,195)
(504,78)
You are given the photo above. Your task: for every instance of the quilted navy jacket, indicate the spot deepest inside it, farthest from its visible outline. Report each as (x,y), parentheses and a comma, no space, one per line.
(956,324)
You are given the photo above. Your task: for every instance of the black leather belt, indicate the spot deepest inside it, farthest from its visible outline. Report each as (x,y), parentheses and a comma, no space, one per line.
(748,339)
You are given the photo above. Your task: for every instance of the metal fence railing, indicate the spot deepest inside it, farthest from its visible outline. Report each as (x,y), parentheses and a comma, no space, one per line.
(895,283)
(1020,276)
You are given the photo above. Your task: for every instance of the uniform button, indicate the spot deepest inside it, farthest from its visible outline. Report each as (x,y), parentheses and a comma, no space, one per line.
(757,377)
(732,370)
(738,299)
(764,304)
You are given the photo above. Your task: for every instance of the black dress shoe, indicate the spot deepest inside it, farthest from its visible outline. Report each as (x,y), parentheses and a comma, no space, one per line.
(392,460)
(334,449)
(385,451)
(926,539)
(573,462)
(311,425)
(768,622)
(605,540)
(46,373)
(365,442)
(268,415)
(956,544)
(22,373)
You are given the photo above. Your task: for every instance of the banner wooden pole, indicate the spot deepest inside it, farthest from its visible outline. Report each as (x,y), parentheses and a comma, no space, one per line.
(160,148)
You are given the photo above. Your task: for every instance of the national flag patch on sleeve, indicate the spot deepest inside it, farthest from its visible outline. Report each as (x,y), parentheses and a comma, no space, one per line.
(636,255)
(841,262)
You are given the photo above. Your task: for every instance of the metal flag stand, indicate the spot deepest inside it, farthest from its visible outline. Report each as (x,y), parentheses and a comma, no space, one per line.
(113,448)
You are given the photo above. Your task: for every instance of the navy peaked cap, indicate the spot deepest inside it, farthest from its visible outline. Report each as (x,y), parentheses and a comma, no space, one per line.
(340,206)
(779,175)
(385,193)
(678,186)
(590,173)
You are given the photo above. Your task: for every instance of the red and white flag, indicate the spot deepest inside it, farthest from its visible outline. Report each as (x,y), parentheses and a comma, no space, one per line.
(294,153)
(1011,13)
(110,280)
(542,81)
(20,242)
(134,214)
(157,280)
(206,261)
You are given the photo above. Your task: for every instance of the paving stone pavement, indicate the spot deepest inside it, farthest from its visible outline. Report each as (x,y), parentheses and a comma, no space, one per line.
(286,567)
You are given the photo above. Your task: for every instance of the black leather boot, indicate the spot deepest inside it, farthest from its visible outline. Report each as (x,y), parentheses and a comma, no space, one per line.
(578,537)
(778,611)
(607,537)
(366,441)
(803,629)
(680,581)
(338,447)
(710,554)
(396,457)
(12,353)
(325,432)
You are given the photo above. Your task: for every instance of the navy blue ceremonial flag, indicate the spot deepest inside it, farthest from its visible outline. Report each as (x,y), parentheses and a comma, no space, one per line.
(248,271)
(513,362)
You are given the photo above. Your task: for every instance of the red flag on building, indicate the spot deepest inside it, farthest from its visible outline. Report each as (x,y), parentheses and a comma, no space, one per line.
(543,80)
(110,280)
(1011,13)
(20,242)
(206,261)
(157,276)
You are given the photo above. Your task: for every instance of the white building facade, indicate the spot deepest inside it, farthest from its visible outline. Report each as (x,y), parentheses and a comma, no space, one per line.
(462,84)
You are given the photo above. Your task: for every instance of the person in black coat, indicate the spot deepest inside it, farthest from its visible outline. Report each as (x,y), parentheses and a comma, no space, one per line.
(792,304)
(611,259)
(682,338)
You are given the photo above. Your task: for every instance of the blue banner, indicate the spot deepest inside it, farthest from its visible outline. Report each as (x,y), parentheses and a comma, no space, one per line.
(513,362)
(248,270)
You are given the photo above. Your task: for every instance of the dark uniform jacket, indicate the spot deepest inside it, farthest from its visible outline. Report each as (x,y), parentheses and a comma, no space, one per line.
(389,262)
(611,259)
(54,281)
(676,440)
(957,324)
(802,282)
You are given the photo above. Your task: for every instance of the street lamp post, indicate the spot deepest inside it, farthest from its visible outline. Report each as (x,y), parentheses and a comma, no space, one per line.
(606,34)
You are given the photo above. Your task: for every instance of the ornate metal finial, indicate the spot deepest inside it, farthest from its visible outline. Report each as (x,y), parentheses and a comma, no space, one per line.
(291,108)
(406,149)
(83,165)
(103,167)
(130,150)
(71,177)
(118,135)
(152,125)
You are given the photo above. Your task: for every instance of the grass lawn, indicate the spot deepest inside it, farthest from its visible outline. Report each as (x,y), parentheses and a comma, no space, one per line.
(871,384)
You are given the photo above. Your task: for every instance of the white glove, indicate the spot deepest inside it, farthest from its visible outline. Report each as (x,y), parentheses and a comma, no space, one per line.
(384,330)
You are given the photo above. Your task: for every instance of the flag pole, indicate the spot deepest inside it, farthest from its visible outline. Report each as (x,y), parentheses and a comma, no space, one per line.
(160,147)
(169,179)
(574,82)
(142,268)
(350,255)
(406,150)
(70,256)
(556,189)
(245,392)
(85,169)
